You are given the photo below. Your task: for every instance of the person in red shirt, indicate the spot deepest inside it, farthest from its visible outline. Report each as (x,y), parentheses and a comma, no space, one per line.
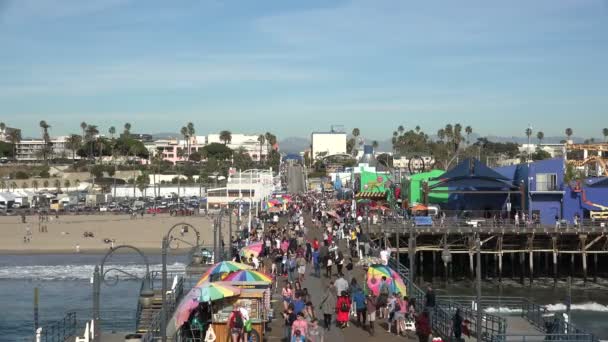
(236,323)
(315,244)
(343,309)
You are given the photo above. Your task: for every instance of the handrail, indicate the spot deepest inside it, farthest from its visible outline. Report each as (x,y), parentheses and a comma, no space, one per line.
(441,320)
(60,330)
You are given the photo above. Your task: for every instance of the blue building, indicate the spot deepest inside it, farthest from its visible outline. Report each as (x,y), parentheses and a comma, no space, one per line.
(549,197)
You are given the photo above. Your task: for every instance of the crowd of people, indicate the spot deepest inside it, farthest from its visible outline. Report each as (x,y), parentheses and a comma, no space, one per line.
(294,251)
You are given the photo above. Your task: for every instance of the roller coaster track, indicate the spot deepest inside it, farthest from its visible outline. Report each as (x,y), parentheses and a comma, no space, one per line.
(590,160)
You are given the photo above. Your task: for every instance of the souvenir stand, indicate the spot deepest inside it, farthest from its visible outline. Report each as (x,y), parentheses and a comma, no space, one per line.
(255,298)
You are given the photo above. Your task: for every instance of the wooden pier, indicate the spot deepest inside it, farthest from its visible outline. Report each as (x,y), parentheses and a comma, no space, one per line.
(506,252)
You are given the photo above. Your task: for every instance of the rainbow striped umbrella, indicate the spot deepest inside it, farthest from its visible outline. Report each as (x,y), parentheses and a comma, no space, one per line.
(220,268)
(398,285)
(205,293)
(374,277)
(215,291)
(254,248)
(249,275)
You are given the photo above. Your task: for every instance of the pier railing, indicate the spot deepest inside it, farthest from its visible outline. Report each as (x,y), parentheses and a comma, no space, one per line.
(536,314)
(73,323)
(60,330)
(441,316)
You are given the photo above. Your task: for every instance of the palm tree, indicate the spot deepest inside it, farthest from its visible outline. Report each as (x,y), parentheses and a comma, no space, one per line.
(67,184)
(449,131)
(2,184)
(112,131)
(90,136)
(569,132)
(45,183)
(127,131)
(528,132)
(468,130)
(226,137)
(262,141)
(605,133)
(24,185)
(45,136)
(401,129)
(14,137)
(375,144)
(35,185)
(184,133)
(57,184)
(83,127)
(441,134)
(417,129)
(73,143)
(14,185)
(540,136)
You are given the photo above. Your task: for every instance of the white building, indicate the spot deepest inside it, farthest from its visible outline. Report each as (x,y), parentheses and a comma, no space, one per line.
(251,186)
(248,142)
(555,150)
(30,149)
(328,144)
(175,150)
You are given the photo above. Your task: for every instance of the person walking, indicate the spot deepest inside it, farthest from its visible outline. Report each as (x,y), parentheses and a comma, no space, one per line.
(328,306)
(358,298)
(287,293)
(457,326)
(430,298)
(423,326)
(343,309)
(236,324)
(300,324)
(290,317)
(371,305)
(315,333)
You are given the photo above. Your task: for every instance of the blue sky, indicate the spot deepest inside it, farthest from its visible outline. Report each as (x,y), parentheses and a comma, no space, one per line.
(293,67)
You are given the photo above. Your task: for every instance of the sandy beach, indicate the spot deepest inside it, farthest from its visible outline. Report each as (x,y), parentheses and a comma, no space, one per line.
(66,233)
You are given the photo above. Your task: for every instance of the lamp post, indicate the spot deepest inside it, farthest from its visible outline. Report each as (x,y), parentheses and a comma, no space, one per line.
(100,274)
(478,285)
(167,239)
(411,245)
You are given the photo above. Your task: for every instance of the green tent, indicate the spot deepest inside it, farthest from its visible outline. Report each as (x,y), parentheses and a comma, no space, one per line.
(373,181)
(415,190)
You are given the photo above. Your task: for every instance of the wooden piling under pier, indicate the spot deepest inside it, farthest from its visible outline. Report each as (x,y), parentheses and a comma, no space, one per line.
(531,252)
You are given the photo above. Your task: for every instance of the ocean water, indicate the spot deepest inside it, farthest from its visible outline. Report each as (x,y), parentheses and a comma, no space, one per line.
(64,283)
(589,308)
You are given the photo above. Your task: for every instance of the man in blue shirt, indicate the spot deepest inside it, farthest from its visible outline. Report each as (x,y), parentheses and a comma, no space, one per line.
(358,297)
(315,260)
(298,305)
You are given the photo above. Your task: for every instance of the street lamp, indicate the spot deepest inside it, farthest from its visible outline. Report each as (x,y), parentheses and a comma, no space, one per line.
(167,239)
(110,277)
(478,285)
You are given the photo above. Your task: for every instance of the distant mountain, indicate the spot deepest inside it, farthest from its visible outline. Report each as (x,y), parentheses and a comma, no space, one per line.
(293,144)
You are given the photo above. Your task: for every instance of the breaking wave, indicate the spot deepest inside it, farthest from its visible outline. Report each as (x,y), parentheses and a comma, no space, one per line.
(76,272)
(591,306)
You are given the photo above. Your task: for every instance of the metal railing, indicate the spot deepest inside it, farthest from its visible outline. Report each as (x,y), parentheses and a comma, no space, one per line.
(537,315)
(545,337)
(441,316)
(60,330)
(74,321)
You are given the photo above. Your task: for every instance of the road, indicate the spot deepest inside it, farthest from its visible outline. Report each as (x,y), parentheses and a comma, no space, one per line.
(295,179)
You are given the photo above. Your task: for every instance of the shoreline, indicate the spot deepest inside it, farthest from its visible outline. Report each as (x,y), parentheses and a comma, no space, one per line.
(89,251)
(63,235)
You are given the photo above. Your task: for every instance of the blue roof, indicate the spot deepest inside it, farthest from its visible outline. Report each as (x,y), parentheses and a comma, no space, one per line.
(471,173)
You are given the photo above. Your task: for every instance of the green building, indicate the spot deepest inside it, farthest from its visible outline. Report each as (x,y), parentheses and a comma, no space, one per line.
(415,188)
